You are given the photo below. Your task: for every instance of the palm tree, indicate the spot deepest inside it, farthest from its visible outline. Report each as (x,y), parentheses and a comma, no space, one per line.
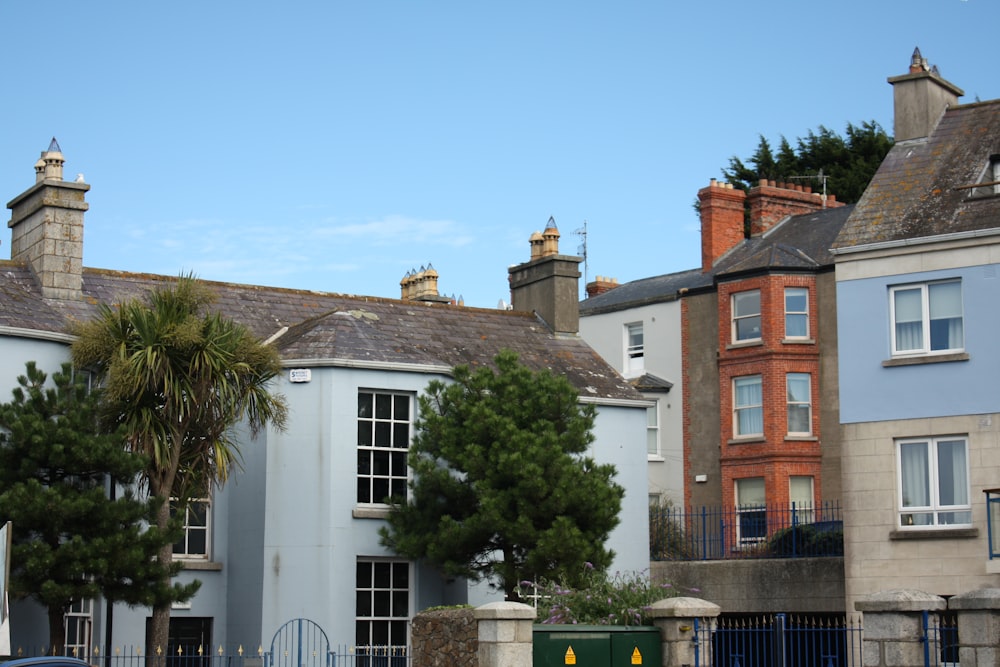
(177,378)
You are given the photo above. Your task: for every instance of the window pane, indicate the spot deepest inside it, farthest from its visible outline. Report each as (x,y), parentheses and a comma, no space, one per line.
(748,328)
(799,418)
(953,483)
(798,387)
(747,402)
(383,406)
(746,315)
(750,491)
(365,405)
(796,325)
(402,408)
(796,299)
(746,303)
(915,475)
(945,300)
(800,488)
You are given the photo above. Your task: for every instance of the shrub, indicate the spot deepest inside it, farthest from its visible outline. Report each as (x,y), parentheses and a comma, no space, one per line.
(805,540)
(667,540)
(622,599)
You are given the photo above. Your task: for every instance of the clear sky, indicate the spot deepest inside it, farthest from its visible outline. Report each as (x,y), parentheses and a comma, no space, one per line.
(335,145)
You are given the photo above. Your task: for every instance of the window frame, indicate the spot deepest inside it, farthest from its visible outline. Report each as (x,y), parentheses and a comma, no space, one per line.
(635,354)
(752,515)
(191,528)
(804,512)
(905,513)
(758,407)
(379,465)
(396,621)
(804,314)
(925,350)
(736,318)
(653,431)
(789,404)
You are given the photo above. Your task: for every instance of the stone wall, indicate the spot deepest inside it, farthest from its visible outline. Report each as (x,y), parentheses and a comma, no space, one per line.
(444,638)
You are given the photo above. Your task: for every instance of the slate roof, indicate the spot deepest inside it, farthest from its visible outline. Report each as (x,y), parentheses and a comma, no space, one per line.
(327,326)
(800,242)
(921,188)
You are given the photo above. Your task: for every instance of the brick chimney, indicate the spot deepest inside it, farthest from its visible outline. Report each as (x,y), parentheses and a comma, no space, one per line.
(421,285)
(601,285)
(549,283)
(721,221)
(919,98)
(771,202)
(46,225)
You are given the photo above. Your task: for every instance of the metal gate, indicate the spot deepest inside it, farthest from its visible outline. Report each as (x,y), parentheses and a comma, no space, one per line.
(299,643)
(782,640)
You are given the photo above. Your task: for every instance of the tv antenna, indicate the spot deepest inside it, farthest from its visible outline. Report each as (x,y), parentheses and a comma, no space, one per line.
(821,176)
(582,248)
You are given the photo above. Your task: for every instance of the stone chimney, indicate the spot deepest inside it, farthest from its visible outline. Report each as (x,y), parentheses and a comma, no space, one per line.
(422,285)
(919,98)
(549,283)
(721,221)
(46,225)
(771,202)
(601,285)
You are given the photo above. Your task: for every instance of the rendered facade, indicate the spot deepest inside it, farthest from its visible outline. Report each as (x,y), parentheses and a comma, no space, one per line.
(918,293)
(295,535)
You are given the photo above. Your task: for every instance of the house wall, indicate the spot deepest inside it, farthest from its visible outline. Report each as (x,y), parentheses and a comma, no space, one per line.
(701,397)
(829,387)
(774,455)
(605,333)
(881,404)
(48,355)
(877,555)
(314,531)
(872,392)
(791,585)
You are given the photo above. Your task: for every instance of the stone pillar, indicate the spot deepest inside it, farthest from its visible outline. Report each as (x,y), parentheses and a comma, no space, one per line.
(978,627)
(505,634)
(893,627)
(676,618)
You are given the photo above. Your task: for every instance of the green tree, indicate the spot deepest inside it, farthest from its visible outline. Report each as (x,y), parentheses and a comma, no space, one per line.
(502,489)
(70,540)
(847,162)
(177,379)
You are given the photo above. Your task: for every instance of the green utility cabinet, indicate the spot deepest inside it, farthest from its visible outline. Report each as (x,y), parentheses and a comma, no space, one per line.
(596,646)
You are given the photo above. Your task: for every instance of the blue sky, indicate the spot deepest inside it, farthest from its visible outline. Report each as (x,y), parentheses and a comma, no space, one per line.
(336,145)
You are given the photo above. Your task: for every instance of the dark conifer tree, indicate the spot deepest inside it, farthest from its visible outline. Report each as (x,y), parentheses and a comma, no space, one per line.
(72,540)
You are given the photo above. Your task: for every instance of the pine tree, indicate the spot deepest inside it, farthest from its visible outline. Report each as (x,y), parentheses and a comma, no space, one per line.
(502,488)
(71,540)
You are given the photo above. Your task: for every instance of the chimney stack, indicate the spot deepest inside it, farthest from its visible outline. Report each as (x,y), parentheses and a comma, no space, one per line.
(46,225)
(721,221)
(919,98)
(601,285)
(549,283)
(772,202)
(422,285)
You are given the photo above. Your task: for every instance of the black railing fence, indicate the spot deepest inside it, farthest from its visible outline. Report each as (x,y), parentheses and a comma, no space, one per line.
(748,531)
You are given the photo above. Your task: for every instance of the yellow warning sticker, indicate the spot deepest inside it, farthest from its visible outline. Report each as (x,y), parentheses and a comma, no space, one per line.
(636,656)
(570,656)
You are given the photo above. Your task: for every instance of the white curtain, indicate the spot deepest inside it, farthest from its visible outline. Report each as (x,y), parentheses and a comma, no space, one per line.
(908,310)
(915,476)
(749,410)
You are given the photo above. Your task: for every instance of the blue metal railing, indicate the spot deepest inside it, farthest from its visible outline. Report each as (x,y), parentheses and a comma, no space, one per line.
(750,531)
(784,640)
